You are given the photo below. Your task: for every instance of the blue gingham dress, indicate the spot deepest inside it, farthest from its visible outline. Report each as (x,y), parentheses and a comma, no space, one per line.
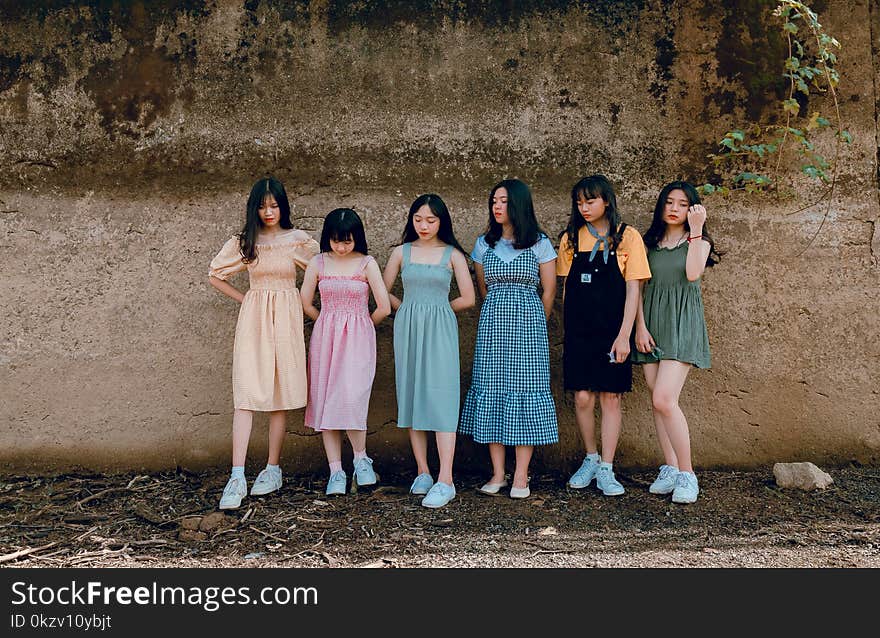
(509,400)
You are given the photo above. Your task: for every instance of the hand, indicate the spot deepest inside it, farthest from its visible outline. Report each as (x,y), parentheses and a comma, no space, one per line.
(620,348)
(696,219)
(644,340)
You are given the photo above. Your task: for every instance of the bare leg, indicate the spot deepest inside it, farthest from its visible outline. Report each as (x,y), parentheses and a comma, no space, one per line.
(611,418)
(584,414)
(276,435)
(670,380)
(651,370)
(418,439)
(332,445)
(523,458)
(446,451)
(242,421)
(358,440)
(496,453)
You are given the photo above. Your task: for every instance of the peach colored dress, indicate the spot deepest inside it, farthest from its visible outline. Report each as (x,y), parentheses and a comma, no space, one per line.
(269,355)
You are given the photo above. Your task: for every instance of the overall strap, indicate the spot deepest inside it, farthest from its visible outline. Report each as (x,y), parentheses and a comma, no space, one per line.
(321,267)
(618,236)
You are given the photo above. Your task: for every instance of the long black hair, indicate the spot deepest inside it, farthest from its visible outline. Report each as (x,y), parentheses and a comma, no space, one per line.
(521,212)
(593,187)
(342,224)
(439,210)
(655,231)
(247,238)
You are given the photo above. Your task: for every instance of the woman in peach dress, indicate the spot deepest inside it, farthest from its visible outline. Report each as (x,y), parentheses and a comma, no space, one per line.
(269,357)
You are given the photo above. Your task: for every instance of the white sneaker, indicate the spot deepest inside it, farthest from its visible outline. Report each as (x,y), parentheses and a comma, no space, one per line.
(665,481)
(235,490)
(686,488)
(267,482)
(607,482)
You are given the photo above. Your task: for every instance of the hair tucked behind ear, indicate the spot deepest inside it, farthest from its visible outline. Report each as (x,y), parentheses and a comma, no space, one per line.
(521,212)
(657,228)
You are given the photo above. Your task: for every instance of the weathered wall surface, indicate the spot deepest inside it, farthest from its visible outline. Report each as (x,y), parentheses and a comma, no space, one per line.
(131,133)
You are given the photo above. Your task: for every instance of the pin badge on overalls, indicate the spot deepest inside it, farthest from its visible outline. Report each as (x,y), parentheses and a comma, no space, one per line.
(586,277)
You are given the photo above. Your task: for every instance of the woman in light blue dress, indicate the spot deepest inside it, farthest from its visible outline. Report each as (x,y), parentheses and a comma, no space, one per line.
(426,359)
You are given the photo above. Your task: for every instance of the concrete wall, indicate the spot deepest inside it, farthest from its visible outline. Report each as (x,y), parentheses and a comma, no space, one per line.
(131,133)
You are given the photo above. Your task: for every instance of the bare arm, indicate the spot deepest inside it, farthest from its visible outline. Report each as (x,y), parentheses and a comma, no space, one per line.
(547,271)
(698,249)
(621,348)
(467,297)
(644,340)
(380,293)
(227,289)
(481,280)
(392,269)
(308,288)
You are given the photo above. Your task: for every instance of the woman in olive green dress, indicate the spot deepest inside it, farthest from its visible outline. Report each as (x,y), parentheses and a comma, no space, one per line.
(671,335)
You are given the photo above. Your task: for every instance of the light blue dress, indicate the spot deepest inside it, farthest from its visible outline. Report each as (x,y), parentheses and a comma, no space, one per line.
(426,360)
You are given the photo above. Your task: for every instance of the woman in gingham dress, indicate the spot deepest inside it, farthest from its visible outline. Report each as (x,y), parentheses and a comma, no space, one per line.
(509,401)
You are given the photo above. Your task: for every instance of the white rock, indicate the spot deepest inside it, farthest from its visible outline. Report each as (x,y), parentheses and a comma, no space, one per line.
(805,476)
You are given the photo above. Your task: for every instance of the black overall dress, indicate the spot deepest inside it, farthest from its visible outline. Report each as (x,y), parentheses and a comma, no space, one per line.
(595,294)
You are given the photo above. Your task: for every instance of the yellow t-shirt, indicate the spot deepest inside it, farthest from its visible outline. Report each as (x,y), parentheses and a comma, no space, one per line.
(632,258)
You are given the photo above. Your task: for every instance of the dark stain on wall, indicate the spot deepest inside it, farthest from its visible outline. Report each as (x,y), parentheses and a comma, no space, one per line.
(134,17)
(751,52)
(342,14)
(10,70)
(664,59)
(131,92)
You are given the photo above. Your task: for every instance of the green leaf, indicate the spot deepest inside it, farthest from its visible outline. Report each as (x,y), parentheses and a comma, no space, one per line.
(729,143)
(802,86)
(791,106)
(790,27)
(792,64)
(706,189)
(810,171)
(846,137)
(738,135)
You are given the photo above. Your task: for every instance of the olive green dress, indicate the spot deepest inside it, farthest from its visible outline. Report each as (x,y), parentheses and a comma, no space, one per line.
(674,311)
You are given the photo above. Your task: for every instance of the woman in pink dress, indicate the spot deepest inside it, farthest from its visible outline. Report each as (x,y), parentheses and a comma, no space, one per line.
(342,352)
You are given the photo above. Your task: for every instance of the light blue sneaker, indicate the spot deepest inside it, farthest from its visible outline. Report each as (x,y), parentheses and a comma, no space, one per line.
(422,484)
(268,481)
(606,481)
(235,490)
(336,483)
(665,481)
(585,474)
(686,488)
(439,495)
(363,472)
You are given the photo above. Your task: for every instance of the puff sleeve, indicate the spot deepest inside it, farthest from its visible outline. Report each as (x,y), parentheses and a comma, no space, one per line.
(228,261)
(304,248)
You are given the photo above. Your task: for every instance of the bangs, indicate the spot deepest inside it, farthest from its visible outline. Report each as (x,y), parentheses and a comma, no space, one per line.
(341,234)
(589,190)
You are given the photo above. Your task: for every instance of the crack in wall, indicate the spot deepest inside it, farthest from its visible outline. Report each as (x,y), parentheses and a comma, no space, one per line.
(873,19)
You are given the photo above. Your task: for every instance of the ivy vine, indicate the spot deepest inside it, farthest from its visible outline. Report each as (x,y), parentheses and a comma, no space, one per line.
(809,69)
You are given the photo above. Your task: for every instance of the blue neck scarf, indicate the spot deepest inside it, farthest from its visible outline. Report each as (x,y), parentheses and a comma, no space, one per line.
(602,241)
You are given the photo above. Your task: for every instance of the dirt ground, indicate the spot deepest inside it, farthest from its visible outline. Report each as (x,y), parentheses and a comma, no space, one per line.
(742,519)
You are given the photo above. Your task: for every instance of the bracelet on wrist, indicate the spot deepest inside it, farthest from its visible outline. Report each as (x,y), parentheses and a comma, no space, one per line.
(694,237)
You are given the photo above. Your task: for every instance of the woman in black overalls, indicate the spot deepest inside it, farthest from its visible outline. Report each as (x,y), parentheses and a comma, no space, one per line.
(599,311)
